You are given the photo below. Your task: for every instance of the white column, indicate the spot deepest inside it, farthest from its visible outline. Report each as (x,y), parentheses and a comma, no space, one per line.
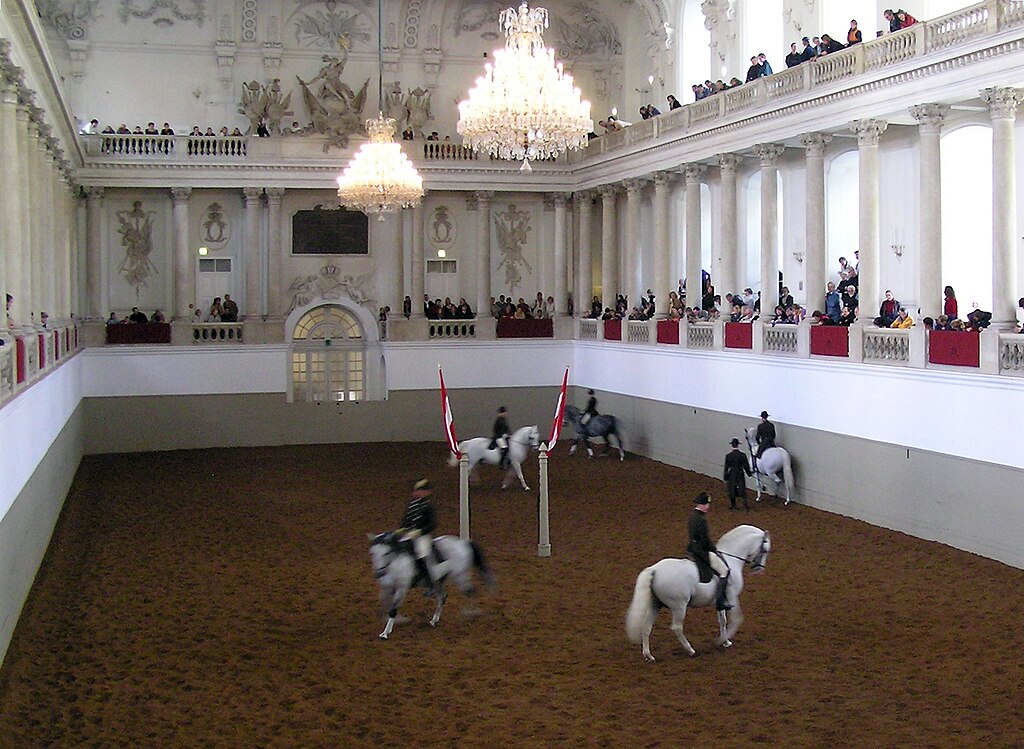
(868,132)
(929,128)
(253,297)
(11,245)
(692,174)
(275,253)
(662,246)
(1002,105)
(609,255)
(417,260)
(483,266)
(184,271)
(727,282)
(585,272)
(769,154)
(814,227)
(95,292)
(23,302)
(561,270)
(631,283)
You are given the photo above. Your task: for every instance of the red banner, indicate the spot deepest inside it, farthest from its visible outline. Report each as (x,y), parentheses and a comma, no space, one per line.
(668,331)
(556,425)
(739,335)
(830,340)
(958,348)
(446,417)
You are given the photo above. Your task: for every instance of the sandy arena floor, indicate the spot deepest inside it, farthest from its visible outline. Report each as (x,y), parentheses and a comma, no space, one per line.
(224,598)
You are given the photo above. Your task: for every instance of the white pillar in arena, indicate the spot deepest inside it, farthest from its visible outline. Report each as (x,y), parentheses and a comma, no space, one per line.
(1002,105)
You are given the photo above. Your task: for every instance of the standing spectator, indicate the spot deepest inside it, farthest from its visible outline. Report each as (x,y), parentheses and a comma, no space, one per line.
(853,36)
(949,307)
(736,465)
(793,58)
(230,310)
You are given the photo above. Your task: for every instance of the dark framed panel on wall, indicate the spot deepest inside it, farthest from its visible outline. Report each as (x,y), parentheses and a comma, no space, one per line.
(333,231)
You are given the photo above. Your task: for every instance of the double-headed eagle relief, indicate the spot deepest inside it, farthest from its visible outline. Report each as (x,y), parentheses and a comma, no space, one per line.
(336,110)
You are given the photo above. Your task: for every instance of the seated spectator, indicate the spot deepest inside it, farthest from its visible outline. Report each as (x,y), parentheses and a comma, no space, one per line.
(151,129)
(853,36)
(230,310)
(123,130)
(949,306)
(112,320)
(216,311)
(137,316)
(903,319)
(906,20)
(887,311)
(793,58)
(673,103)
(158,316)
(846,317)
(166,129)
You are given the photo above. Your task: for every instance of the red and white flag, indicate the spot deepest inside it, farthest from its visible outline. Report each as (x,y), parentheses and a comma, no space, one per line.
(446,416)
(556,425)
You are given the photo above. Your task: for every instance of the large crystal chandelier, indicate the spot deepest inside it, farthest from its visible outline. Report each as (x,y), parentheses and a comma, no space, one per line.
(524,106)
(380,178)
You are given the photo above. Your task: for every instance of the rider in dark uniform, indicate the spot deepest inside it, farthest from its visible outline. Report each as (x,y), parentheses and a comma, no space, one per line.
(736,466)
(591,409)
(765,435)
(703,549)
(499,436)
(418,523)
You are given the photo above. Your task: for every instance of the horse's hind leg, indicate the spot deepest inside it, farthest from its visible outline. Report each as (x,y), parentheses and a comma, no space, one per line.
(677,627)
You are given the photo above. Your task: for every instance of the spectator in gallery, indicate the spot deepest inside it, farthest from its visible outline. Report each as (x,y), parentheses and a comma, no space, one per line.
(230,310)
(949,306)
(137,316)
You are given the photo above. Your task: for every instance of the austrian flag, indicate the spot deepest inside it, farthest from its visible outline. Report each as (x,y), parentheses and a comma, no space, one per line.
(446,417)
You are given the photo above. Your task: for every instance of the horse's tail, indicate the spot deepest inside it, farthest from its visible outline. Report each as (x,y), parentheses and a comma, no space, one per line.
(787,473)
(640,615)
(480,562)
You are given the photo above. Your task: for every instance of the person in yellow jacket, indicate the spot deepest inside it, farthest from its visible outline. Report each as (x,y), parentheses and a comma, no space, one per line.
(903,319)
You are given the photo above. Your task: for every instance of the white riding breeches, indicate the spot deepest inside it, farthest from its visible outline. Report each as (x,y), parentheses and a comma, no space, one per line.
(718,564)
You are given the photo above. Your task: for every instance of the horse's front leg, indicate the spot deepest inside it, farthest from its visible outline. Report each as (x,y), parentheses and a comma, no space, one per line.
(442,596)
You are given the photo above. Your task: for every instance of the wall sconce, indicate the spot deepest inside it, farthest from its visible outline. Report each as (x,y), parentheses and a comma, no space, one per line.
(799,256)
(897,250)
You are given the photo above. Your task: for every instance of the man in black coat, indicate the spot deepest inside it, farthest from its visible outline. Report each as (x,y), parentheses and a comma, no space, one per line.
(418,522)
(704,550)
(736,466)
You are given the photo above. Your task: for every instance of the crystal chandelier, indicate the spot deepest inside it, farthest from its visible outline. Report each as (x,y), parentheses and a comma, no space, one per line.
(380,178)
(524,106)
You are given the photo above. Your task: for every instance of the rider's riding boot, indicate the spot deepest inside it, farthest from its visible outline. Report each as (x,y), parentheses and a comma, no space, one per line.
(721,604)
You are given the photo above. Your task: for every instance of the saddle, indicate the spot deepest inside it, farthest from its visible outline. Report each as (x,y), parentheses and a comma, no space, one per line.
(704,571)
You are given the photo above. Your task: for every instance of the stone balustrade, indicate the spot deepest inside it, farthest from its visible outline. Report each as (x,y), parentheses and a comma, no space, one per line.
(29,354)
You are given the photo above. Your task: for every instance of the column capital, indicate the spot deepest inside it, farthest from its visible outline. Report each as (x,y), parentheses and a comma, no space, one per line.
(93,194)
(1002,102)
(929,116)
(868,131)
(814,143)
(692,172)
(729,162)
(607,192)
(274,194)
(633,187)
(663,179)
(252,194)
(769,153)
(180,194)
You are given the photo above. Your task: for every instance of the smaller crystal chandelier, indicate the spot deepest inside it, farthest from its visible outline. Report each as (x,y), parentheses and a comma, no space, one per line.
(380,178)
(524,106)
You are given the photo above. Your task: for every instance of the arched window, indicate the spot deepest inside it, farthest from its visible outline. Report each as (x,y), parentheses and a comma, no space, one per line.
(842,213)
(328,354)
(967,216)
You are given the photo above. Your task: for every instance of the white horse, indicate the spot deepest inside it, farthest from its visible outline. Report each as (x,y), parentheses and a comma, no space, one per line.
(675,584)
(769,464)
(479,451)
(395,569)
